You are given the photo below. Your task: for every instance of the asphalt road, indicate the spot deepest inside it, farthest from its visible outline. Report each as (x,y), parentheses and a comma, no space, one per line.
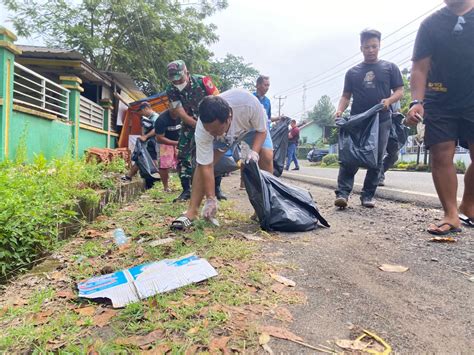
(403,186)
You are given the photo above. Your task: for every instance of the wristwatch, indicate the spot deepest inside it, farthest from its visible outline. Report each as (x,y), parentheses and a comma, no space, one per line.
(416,102)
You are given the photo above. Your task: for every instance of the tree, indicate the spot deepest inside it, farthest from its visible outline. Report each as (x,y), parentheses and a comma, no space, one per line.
(323,112)
(232,72)
(135,36)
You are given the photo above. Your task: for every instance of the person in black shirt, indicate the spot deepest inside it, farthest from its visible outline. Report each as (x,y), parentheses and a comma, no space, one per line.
(442,89)
(369,83)
(167,135)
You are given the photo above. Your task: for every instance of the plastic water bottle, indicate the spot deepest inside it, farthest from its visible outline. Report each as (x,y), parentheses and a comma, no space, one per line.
(120,237)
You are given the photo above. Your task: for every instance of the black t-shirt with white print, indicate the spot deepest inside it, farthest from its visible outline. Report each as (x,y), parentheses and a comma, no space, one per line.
(450,85)
(370,83)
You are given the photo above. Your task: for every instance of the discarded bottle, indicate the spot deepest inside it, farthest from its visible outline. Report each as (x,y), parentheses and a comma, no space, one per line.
(120,237)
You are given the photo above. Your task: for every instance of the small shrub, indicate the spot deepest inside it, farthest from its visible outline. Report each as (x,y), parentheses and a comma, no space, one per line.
(422,167)
(330,160)
(460,167)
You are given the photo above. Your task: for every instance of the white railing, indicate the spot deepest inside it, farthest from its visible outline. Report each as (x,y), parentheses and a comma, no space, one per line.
(91,113)
(36,91)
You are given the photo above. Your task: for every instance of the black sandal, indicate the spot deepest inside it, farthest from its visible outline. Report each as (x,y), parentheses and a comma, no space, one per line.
(468,222)
(181,223)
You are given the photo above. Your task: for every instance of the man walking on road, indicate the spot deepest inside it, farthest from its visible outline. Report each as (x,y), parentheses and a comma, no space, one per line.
(293,138)
(371,82)
(442,89)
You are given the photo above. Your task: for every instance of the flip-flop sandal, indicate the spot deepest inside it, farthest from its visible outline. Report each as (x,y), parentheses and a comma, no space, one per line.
(181,223)
(468,222)
(438,231)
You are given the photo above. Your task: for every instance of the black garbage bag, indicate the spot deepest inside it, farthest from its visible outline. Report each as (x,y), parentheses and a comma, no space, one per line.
(146,166)
(280,207)
(359,139)
(279,134)
(399,131)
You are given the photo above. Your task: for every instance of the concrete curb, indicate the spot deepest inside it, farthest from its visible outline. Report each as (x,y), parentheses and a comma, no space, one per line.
(404,196)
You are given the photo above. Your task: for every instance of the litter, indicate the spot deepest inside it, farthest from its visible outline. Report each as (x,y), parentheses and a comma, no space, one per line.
(159,242)
(139,282)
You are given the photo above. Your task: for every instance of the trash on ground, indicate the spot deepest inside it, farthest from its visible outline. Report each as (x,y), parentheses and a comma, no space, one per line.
(393,268)
(159,242)
(280,207)
(142,281)
(366,343)
(283,280)
(443,240)
(263,340)
(120,237)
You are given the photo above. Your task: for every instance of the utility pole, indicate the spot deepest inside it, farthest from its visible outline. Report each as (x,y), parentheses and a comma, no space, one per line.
(280,105)
(304,100)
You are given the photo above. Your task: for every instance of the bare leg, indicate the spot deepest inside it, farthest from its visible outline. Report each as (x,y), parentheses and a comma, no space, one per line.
(467,203)
(164,178)
(445,180)
(133,171)
(266,160)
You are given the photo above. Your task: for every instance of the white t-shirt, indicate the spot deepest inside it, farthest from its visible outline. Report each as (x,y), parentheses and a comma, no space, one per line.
(247,115)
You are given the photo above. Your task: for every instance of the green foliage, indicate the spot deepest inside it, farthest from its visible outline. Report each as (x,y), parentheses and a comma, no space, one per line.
(330,160)
(333,136)
(233,72)
(138,37)
(460,167)
(406,99)
(37,199)
(323,112)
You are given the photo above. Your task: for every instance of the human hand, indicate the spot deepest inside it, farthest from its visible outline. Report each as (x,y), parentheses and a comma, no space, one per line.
(414,115)
(142,138)
(252,155)
(386,104)
(209,210)
(338,114)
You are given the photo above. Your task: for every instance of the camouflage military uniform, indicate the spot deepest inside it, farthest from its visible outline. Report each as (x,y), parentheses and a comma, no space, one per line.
(189,98)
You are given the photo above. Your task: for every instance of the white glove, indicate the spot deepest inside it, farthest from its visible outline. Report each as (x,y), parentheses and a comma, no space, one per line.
(209,210)
(252,155)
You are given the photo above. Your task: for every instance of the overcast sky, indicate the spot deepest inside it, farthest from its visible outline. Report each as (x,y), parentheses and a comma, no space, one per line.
(301,41)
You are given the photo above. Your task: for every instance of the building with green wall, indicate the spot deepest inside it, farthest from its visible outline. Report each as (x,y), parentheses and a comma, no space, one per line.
(310,133)
(53,102)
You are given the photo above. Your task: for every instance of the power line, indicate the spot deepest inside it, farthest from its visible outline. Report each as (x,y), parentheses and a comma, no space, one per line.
(357,54)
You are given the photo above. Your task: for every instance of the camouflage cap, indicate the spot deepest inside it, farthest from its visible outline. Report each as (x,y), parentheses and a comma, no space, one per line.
(176,70)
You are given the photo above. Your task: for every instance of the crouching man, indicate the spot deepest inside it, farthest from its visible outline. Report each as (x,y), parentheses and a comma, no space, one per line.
(224,121)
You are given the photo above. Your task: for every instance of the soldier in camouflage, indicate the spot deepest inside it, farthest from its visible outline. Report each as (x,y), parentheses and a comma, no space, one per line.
(185,93)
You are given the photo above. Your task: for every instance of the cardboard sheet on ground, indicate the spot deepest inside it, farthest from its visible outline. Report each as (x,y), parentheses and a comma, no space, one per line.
(139,282)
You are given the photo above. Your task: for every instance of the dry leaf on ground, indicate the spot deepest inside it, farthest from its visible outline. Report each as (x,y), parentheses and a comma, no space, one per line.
(281,333)
(393,268)
(92,233)
(283,314)
(192,331)
(197,292)
(66,294)
(264,338)
(443,240)
(104,318)
(219,343)
(141,340)
(351,344)
(161,349)
(278,288)
(86,311)
(42,317)
(283,280)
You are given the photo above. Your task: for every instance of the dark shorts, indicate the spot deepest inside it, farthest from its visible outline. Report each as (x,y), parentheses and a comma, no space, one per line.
(443,127)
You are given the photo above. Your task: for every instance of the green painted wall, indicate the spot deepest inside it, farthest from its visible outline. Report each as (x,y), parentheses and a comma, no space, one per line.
(312,133)
(88,139)
(52,138)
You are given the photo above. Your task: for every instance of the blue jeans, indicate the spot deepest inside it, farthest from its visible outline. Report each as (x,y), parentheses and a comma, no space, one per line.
(291,156)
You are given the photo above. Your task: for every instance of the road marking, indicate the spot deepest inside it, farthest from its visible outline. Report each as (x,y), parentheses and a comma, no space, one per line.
(358,184)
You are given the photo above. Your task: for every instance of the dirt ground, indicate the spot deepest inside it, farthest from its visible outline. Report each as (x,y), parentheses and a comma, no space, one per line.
(429,308)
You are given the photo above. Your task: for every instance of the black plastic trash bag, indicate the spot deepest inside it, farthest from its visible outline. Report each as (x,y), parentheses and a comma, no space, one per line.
(359,139)
(146,166)
(280,207)
(279,134)
(399,131)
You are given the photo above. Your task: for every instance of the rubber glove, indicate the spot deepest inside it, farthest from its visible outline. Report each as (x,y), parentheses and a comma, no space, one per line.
(209,210)
(252,155)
